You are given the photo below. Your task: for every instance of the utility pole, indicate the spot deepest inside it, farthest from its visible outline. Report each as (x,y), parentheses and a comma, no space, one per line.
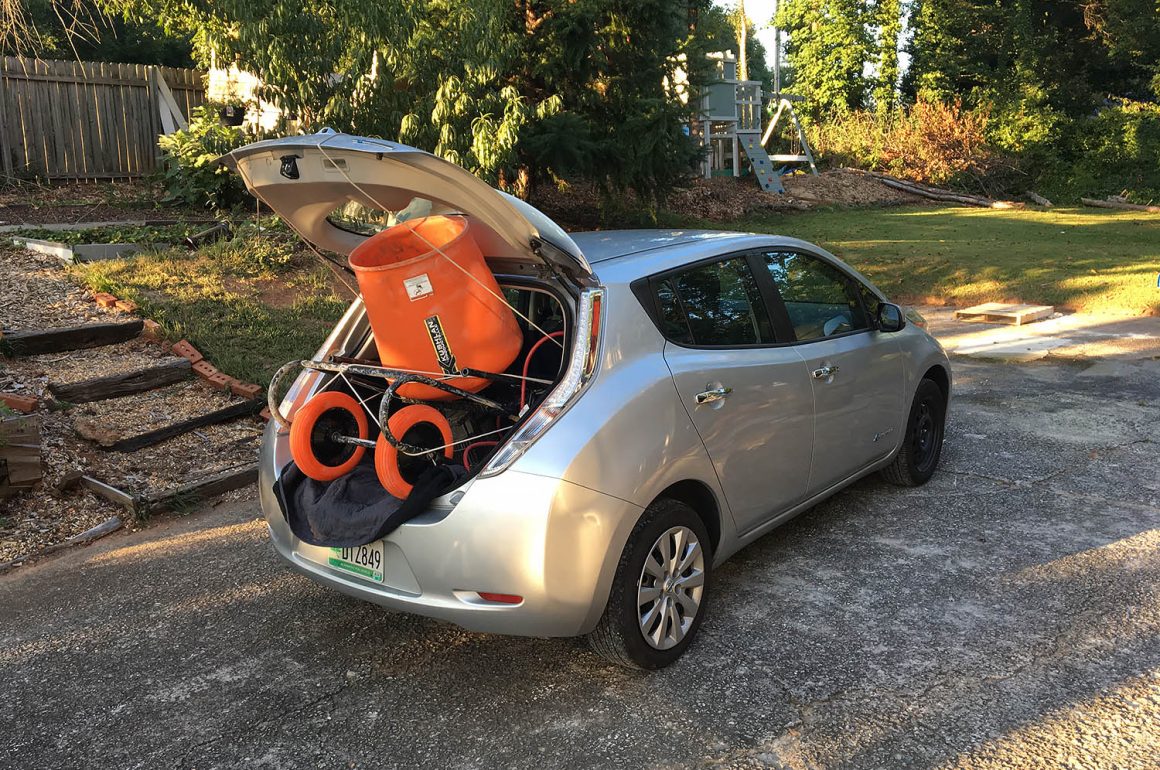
(743,39)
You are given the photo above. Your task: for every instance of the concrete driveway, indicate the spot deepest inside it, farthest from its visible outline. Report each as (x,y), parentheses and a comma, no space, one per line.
(1005,615)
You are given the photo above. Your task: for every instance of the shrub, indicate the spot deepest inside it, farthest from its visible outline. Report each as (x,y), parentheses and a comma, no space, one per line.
(1115,151)
(931,141)
(190,172)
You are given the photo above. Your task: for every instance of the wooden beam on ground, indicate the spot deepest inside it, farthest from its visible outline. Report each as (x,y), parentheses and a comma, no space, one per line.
(191,494)
(1039,200)
(1119,205)
(61,251)
(935,193)
(32,342)
(110,493)
(149,438)
(125,384)
(108,526)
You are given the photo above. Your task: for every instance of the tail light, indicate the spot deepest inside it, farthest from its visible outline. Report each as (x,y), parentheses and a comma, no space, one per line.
(487,596)
(581,366)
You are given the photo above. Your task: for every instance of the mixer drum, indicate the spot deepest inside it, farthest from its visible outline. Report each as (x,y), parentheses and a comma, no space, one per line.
(434,306)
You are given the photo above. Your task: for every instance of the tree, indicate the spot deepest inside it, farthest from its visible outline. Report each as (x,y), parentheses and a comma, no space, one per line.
(828,45)
(889,17)
(718,30)
(76,29)
(511,89)
(1062,56)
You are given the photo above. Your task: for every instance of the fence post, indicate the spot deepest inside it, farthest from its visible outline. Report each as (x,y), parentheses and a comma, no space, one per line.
(5,144)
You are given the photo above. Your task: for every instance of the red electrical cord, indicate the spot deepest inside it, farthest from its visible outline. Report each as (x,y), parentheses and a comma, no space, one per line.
(469,447)
(528,361)
(523,394)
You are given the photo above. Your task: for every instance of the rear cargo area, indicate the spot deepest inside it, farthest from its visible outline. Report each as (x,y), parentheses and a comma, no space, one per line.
(436,454)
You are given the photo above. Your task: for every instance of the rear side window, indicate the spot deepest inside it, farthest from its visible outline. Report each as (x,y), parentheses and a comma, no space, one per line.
(818,297)
(717,304)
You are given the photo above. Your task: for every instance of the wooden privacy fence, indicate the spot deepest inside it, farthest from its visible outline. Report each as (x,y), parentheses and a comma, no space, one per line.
(88,120)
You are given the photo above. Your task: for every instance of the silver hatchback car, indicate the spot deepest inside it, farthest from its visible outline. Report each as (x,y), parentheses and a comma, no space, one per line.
(712,385)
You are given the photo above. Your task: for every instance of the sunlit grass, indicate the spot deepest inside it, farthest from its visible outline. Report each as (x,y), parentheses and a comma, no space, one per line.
(248,307)
(1079,259)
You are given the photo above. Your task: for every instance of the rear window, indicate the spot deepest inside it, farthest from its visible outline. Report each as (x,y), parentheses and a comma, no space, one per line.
(715,305)
(354,217)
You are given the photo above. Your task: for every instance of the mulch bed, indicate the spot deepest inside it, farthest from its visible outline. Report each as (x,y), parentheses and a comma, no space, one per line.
(77,365)
(722,199)
(841,188)
(38,294)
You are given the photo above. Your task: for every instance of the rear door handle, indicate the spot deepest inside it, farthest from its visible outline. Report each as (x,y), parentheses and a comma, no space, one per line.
(825,372)
(716,394)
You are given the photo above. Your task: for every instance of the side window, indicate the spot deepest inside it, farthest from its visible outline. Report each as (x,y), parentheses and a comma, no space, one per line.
(714,304)
(818,297)
(674,323)
(869,300)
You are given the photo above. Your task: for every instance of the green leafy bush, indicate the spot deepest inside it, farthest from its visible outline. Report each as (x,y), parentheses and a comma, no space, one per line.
(190,171)
(1112,152)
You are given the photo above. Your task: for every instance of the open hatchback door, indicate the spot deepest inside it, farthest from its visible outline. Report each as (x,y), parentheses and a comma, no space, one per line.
(305,179)
(449,378)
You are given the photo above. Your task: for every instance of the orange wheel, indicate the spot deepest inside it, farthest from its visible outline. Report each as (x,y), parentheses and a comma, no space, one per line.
(418,425)
(312,445)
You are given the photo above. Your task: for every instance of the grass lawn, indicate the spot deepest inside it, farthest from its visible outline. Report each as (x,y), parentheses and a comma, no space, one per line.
(249,306)
(1081,259)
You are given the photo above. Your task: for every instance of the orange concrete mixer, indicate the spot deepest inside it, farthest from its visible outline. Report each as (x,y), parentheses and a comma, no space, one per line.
(433,304)
(443,331)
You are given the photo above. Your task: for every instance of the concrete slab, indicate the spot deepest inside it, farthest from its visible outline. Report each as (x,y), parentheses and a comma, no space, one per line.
(1076,336)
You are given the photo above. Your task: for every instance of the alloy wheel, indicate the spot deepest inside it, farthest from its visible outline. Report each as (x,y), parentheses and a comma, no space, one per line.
(670,587)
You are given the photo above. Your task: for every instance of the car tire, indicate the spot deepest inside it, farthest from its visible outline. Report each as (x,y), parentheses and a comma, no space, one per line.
(620,635)
(918,457)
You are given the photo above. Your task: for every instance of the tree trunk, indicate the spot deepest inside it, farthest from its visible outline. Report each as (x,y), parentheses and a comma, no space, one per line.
(743,40)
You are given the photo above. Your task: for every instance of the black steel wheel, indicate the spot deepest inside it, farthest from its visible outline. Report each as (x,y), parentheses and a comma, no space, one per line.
(921,448)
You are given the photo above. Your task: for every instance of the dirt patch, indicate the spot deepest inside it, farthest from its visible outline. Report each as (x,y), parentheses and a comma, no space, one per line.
(99,212)
(87,202)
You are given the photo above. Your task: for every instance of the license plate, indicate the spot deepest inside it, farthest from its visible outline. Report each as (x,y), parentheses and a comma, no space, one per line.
(366,561)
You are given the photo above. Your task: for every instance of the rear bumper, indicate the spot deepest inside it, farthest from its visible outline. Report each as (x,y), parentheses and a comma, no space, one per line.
(554,543)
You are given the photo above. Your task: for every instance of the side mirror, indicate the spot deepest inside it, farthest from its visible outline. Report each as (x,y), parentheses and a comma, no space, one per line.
(890,318)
